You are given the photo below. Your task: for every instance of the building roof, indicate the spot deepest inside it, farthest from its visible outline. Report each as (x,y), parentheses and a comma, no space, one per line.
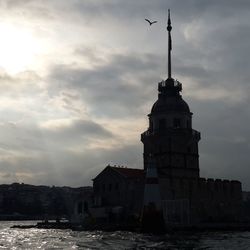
(129,172)
(170,104)
(124,172)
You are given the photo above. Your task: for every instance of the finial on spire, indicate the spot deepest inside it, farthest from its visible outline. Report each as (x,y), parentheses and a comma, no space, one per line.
(169,28)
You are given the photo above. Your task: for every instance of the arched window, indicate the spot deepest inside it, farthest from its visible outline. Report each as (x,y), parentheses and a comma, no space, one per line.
(150,126)
(79,207)
(86,206)
(162,125)
(177,123)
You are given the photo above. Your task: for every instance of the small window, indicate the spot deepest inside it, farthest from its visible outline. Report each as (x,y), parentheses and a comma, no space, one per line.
(162,124)
(110,186)
(79,208)
(96,187)
(150,126)
(85,206)
(173,194)
(177,123)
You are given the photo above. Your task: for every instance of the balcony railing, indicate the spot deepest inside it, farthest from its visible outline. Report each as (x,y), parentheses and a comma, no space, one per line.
(170,131)
(170,84)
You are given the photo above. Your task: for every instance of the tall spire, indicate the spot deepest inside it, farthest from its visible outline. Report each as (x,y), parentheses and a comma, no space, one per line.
(169,28)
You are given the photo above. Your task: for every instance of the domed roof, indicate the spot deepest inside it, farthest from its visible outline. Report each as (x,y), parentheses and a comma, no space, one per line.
(170,103)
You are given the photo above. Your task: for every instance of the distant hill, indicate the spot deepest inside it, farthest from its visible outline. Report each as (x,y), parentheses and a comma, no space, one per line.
(23,201)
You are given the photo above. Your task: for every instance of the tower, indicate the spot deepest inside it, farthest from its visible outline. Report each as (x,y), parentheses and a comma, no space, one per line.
(170,138)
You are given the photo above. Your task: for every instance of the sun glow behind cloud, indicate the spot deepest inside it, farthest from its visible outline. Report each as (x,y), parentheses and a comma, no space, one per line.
(18,48)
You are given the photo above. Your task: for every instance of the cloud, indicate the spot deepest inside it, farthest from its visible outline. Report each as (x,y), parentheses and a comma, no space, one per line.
(75,128)
(85,102)
(117,87)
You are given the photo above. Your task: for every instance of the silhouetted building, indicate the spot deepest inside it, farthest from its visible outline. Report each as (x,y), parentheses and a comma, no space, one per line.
(79,205)
(172,142)
(170,137)
(171,145)
(119,187)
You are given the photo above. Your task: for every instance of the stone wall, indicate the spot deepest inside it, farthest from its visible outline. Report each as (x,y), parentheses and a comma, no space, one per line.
(211,200)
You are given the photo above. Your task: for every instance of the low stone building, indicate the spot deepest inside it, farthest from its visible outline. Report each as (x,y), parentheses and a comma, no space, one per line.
(119,189)
(79,205)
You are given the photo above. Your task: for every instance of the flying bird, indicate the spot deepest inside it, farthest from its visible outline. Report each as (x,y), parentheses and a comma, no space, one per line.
(150,23)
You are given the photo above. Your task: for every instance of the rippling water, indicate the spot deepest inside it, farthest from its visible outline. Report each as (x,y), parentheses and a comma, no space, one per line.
(66,239)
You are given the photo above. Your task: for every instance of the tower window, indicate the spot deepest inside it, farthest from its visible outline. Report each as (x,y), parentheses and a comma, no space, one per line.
(177,123)
(162,124)
(96,187)
(79,207)
(150,126)
(85,206)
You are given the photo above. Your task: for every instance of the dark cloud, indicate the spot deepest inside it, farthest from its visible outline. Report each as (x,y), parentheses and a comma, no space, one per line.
(92,161)
(115,88)
(77,128)
(55,135)
(46,154)
(225,139)
(68,168)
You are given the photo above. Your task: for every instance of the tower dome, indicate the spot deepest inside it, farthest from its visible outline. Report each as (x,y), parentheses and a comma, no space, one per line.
(169,98)
(173,104)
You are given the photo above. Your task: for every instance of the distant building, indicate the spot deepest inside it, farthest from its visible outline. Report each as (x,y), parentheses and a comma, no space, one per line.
(24,201)
(246,205)
(79,205)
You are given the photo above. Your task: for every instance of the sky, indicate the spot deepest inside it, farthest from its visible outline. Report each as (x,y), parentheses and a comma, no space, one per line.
(78,78)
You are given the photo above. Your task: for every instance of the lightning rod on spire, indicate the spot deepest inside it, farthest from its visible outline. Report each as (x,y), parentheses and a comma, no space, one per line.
(169,28)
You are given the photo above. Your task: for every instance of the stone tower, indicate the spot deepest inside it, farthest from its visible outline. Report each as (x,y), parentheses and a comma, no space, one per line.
(170,138)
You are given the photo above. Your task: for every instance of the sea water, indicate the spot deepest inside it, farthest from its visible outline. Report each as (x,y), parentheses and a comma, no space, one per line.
(14,238)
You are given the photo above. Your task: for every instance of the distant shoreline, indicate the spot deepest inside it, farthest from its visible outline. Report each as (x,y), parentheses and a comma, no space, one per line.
(206,227)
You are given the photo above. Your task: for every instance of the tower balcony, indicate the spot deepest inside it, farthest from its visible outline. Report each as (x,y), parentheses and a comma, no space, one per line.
(170,85)
(171,132)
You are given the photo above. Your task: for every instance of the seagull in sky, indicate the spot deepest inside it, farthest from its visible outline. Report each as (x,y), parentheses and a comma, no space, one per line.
(150,22)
